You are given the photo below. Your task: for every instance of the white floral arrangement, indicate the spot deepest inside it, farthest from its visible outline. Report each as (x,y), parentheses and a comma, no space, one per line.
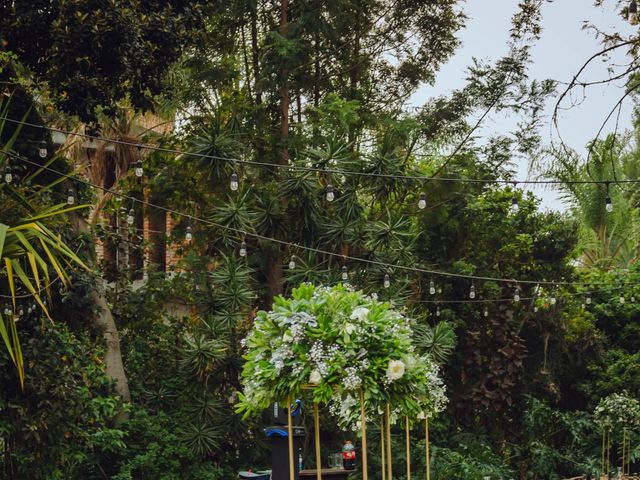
(339,342)
(618,410)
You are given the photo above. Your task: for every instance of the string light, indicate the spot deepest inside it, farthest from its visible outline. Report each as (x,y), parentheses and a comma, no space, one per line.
(292,262)
(8,175)
(330,196)
(387,281)
(432,288)
(608,204)
(588,299)
(243,249)
(486,312)
(189,235)
(234,184)
(514,200)
(42,151)
(357,259)
(422,203)
(552,299)
(139,170)
(516,295)
(472,292)
(438,311)
(71,198)
(633,12)
(131,218)
(345,273)
(293,167)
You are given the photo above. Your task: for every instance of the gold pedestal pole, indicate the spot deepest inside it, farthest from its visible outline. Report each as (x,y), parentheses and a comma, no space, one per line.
(383,452)
(316,417)
(363,427)
(408,445)
(389,458)
(292,475)
(426,448)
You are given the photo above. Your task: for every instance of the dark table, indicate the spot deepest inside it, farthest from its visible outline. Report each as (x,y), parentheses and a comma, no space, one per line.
(327,474)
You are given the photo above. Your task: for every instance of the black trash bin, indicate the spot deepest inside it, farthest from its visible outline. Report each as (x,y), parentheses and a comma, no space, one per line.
(279,436)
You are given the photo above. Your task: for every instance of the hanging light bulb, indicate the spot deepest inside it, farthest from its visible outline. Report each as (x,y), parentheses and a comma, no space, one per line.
(588,299)
(486,312)
(514,199)
(345,273)
(432,288)
(622,299)
(139,170)
(234,183)
(422,203)
(132,218)
(8,175)
(439,290)
(633,12)
(387,281)
(472,292)
(516,295)
(243,249)
(292,262)
(71,198)
(438,311)
(189,234)
(608,205)
(552,300)
(42,150)
(330,196)
(535,308)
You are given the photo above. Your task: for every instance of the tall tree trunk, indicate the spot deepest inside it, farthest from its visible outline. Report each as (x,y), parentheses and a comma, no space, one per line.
(103,320)
(355,70)
(284,89)
(255,54)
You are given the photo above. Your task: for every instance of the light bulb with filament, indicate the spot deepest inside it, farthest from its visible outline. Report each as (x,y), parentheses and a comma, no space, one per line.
(345,273)
(608,204)
(131,217)
(422,203)
(292,262)
(486,312)
(243,249)
(139,170)
(234,183)
(516,295)
(189,234)
(514,204)
(387,280)
(432,288)
(71,198)
(42,150)
(472,292)
(330,196)
(588,300)
(437,311)
(8,176)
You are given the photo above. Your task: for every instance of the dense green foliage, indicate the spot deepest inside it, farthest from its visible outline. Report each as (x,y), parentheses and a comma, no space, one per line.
(313,94)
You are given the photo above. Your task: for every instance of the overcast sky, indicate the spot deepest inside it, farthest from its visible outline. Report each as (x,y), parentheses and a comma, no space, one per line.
(563,48)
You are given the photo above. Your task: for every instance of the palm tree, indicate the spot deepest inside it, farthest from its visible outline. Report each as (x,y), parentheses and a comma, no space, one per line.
(607,239)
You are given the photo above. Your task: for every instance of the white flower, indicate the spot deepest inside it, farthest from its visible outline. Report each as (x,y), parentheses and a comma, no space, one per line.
(411,362)
(395,370)
(422,416)
(286,338)
(359,313)
(349,328)
(315,378)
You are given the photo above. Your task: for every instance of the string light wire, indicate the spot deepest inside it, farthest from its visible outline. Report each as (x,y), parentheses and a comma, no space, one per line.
(300,168)
(243,234)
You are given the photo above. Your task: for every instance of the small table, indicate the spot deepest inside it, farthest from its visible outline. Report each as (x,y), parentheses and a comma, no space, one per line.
(327,474)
